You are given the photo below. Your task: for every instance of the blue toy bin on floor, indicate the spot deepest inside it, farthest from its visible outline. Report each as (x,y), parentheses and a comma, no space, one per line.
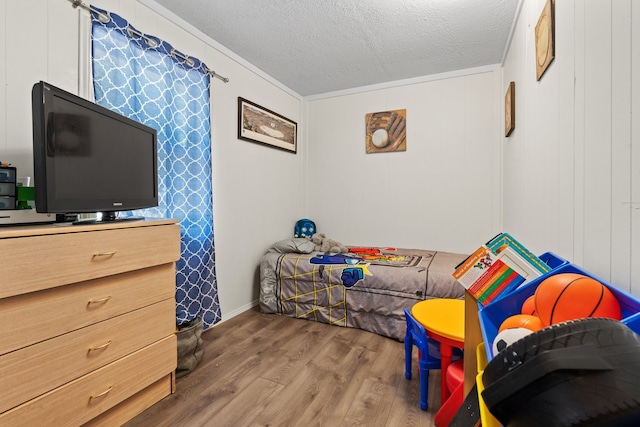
(492,315)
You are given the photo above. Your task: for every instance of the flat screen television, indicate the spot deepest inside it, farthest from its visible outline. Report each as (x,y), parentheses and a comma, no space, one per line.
(89,159)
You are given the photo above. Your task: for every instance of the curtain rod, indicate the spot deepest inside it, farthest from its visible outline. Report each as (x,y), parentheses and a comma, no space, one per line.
(104,18)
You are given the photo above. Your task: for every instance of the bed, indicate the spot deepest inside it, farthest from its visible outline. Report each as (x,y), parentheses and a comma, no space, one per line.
(366,288)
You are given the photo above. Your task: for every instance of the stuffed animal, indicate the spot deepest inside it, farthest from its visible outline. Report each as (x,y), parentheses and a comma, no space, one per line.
(325,244)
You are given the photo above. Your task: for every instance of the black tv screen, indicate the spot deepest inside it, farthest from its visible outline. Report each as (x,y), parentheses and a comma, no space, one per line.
(89,159)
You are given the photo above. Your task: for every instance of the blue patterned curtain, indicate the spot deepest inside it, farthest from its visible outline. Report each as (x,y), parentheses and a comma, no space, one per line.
(144,78)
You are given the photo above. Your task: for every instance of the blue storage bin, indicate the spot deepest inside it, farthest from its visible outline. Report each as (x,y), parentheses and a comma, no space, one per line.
(492,315)
(553,260)
(633,322)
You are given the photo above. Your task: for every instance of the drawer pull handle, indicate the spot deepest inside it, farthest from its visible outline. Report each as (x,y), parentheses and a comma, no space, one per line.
(99,300)
(100,347)
(102,394)
(103,255)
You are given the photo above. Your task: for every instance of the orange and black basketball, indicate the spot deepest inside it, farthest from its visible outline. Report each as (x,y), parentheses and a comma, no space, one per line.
(527,321)
(529,306)
(568,296)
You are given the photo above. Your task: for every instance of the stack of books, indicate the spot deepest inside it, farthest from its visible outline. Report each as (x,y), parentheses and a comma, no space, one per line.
(498,267)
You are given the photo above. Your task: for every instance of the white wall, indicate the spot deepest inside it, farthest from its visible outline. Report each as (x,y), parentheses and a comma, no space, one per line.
(442,193)
(571,175)
(253,206)
(568,174)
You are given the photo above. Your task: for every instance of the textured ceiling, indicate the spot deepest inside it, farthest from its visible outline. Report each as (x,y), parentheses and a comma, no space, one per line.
(320,46)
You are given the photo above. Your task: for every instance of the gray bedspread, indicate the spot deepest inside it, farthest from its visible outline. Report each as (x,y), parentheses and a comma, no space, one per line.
(367,289)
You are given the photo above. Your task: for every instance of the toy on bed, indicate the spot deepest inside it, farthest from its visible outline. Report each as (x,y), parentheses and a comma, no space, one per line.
(324,244)
(366,289)
(306,228)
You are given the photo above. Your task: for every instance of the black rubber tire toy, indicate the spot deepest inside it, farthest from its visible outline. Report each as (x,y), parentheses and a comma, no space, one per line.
(583,373)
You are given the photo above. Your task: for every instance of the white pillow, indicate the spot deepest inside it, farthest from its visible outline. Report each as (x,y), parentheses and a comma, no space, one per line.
(295,245)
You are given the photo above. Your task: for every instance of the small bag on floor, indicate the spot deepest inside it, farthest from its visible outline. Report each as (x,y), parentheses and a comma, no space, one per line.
(190,346)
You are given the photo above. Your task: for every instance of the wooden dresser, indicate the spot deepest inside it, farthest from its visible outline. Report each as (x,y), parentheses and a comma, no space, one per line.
(87,321)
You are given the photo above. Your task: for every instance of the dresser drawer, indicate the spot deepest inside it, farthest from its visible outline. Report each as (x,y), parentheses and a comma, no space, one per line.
(34,370)
(39,262)
(136,404)
(84,398)
(34,317)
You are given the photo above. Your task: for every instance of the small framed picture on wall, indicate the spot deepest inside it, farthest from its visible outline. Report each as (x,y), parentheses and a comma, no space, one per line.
(386,131)
(510,109)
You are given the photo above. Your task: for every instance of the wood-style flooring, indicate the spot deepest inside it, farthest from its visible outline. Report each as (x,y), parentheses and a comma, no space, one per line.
(270,370)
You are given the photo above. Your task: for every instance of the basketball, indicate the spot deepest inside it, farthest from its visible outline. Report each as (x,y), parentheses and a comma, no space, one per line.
(527,321)
(529,306)
(568,296)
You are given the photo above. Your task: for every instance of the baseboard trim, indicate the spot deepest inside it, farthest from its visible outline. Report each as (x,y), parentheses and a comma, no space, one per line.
(237,311)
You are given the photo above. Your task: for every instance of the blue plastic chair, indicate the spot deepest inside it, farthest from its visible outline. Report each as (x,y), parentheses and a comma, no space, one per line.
(416,335)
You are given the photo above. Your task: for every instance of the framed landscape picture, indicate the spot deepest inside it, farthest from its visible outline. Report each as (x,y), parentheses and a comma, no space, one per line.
(258,124)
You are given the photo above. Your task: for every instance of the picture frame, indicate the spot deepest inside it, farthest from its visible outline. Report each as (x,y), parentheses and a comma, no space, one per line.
(263,126)
(510,109)
(386,131)
(545,39)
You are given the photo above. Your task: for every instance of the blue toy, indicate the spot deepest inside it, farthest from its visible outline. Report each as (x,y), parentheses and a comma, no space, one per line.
(304,228)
